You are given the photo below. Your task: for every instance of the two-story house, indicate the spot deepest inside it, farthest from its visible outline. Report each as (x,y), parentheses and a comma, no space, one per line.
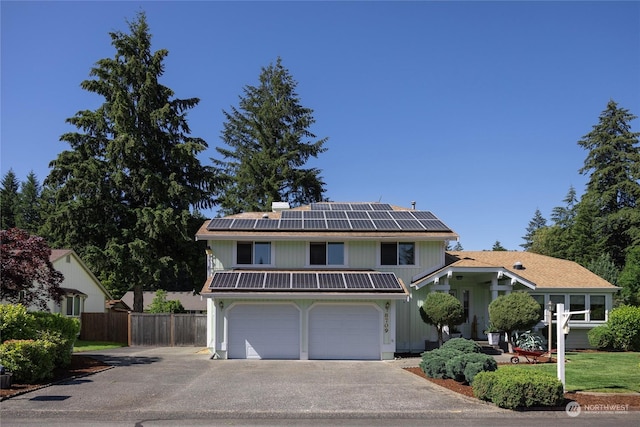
(346,280)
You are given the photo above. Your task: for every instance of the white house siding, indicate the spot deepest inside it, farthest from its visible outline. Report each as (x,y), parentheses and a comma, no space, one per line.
(222,254)
(289,254)
(76,277)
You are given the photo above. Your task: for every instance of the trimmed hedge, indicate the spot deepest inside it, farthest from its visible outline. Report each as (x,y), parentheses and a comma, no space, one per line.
(458,358)
(434,362)
(601,337)
(511,388)
(624,324)
(464,367)
(16,322)
(462,344)
(28,360)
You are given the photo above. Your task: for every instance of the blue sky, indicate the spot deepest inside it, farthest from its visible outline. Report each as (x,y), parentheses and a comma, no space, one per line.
(472,109)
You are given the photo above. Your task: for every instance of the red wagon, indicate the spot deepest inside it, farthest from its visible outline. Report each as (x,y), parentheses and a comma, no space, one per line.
(531,355)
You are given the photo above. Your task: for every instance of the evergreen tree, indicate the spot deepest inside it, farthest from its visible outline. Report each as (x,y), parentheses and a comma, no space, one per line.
(564,216)
(269,143)
(28,215)
(535,224)
(613,165)
(497,246)
(9,199)
(125,192)
(629,279)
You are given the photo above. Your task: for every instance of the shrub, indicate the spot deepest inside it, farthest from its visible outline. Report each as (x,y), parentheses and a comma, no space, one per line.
(28,360)
(624,324)
(16,323)
(465,366)
(434,362)
(517,311)
(512,387)
(601,337)
(61,332)
(463,345)
(441,309)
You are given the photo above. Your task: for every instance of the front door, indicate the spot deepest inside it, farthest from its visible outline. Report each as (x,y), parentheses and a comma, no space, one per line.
(463,294)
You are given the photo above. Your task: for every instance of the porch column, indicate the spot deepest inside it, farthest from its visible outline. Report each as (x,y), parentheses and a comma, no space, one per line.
(494,288)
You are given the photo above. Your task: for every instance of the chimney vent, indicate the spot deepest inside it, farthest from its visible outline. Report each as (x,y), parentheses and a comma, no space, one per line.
(279,206)
(518,266)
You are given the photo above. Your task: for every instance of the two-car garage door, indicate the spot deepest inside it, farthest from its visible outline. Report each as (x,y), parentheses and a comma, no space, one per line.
(273,331)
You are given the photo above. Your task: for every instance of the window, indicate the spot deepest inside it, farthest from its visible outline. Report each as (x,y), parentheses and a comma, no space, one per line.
(540,300)
(597,307)
(331,253)
(557,299)
(577,303)
(402,253)
(73,305)
(253,253)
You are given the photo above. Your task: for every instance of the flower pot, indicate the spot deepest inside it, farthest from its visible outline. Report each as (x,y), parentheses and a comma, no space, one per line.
(494,338)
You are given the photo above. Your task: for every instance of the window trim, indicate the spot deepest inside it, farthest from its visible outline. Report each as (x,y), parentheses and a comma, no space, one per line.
(253,253)
(397,245)
(326,254)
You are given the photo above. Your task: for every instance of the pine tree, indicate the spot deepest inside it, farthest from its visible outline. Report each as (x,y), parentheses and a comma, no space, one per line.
(613,165)
(9,199)
(269,143)
(29,213)
(125,192)
(536,223)
(497,246)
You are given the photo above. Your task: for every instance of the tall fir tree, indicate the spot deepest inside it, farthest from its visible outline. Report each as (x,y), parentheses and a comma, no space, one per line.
(9,199)
(613,166)
(125,192)
(269,142)
(29,212)
(536,223)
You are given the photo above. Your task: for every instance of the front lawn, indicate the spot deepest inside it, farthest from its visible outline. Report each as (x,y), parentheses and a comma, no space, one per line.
(609,372)
(80,346)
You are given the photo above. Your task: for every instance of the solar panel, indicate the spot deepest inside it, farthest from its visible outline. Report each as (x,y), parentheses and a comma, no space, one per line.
(243,224)
(338,224)
(335,214)
(224,279)
(290,224)
(434,225)
(381,207)
(357,215)
(361,224)
(304,281)
(341,207)
(219,224)
(331,281)
(291,214)
(379,215)
(267,224)
(360,206)
(385,224)
(424,215)
(315,224)
(251,280)
(385,281)
(406,224)
(320,206)
(277,281)
(358,281)
(313,215)
(401,215)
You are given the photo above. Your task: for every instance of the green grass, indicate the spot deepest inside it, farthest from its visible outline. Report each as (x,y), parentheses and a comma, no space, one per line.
(80,346)
(597,371)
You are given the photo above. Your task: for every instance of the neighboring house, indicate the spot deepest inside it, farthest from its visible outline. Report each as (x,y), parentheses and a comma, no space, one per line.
(191,303)
(346,280)
(83,291)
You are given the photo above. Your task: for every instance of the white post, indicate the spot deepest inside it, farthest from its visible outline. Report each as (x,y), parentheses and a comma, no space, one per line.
(560,314)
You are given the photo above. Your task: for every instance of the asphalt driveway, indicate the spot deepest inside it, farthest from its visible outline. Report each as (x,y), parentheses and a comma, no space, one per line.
(180,386)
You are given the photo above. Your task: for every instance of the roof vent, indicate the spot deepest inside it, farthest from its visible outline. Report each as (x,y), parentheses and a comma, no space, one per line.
(518,266)
(265,215)
(279,206)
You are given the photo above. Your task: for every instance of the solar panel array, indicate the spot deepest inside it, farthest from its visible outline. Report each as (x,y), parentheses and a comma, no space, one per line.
(317,219)
(304,281)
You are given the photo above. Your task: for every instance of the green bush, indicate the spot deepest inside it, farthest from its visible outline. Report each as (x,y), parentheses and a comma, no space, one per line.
(28,360)
(16,322)
(463,345)
(511,387)
(601,337)
(434,362)
(624,324)
(61,332)
(456,367)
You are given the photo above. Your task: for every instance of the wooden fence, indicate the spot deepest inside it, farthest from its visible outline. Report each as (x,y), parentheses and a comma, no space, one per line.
(145,329)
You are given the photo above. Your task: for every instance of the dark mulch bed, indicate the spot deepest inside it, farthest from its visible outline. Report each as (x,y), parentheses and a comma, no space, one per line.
(80,366)
(583,399)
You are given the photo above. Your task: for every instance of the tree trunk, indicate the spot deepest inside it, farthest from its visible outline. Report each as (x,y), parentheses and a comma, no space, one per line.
(138,303)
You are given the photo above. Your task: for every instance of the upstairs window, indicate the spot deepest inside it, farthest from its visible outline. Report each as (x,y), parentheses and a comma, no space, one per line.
(402,253)
(253,253)
(326,253)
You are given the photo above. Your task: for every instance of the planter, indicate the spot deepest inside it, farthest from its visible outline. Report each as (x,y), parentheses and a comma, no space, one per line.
(6,380)
(494,338)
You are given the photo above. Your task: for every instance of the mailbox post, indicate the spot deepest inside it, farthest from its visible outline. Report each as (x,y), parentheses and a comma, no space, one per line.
(562,329)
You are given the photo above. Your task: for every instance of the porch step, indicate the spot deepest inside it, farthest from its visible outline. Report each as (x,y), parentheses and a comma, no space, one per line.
(492,350)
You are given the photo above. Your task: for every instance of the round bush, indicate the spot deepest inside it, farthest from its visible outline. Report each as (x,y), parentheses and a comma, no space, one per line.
(462,344)
(624,324)
(434,362)
(601,337)
(456,367)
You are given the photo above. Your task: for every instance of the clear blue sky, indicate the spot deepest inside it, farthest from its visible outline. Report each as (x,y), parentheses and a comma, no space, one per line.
(472,109)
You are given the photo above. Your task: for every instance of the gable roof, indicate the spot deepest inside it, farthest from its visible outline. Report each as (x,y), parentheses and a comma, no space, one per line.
(543,272)
(330,220)
(58,254)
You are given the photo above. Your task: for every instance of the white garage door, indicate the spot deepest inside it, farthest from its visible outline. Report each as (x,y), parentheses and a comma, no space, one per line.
(264,331)
(344,332)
